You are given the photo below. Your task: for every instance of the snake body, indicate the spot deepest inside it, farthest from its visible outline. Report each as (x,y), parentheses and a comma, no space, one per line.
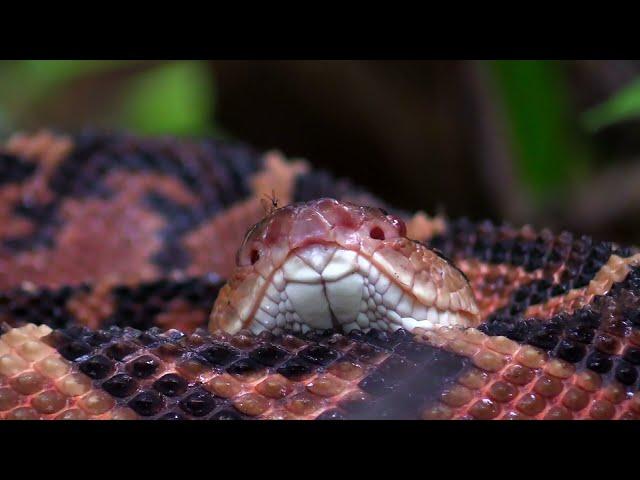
(114,248)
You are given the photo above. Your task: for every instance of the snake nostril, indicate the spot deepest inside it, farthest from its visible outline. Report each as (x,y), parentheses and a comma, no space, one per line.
(254,256)
(376,233)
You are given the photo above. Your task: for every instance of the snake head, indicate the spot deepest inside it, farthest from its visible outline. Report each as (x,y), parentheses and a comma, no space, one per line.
(329,264)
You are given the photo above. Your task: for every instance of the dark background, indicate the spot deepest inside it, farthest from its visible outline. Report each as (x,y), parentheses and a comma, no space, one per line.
(550,143)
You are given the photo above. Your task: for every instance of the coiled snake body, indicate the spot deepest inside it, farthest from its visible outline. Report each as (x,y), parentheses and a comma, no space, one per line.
(113,250)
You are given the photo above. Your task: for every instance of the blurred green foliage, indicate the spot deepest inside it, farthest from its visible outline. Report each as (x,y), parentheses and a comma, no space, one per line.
(546,143)
(29,79)
(173,97)
(624,105)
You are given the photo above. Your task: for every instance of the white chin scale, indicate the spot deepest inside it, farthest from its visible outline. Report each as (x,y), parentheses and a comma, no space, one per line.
(321,287)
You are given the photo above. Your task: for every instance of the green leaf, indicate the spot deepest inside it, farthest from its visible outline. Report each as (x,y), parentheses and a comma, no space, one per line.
(51,73)
(25,83)
(624,105)
(543,137)
(175,98)
(32,78)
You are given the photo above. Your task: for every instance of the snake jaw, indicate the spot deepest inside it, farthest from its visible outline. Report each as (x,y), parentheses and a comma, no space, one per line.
(328,264)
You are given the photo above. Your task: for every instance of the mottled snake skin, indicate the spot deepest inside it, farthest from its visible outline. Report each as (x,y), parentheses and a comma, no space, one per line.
(113,249)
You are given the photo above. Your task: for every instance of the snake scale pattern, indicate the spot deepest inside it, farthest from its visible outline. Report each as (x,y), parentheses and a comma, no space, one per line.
(113,249)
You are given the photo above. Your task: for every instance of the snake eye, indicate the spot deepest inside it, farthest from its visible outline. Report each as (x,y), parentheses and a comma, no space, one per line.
(376,233)
(399,225)
(254,256)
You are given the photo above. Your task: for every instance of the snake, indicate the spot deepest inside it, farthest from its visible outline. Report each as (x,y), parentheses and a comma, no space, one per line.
(186,279)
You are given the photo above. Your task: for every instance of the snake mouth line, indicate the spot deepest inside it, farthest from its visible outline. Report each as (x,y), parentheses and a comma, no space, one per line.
(323,286)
